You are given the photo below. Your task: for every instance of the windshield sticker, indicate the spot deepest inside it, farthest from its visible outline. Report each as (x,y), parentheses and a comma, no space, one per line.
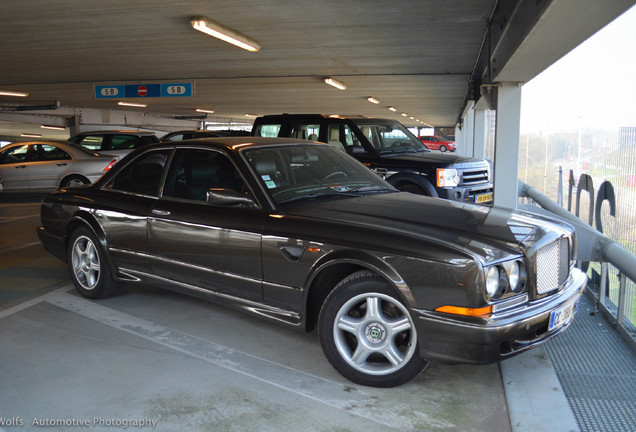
(339,188)
(268,181)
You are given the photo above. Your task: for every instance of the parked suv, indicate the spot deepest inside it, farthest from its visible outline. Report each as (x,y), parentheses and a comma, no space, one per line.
(114,142)
(389,149)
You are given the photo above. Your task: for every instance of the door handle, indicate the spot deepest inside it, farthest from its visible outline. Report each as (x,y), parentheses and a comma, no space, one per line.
(20,167)
(160,212)
(62,164)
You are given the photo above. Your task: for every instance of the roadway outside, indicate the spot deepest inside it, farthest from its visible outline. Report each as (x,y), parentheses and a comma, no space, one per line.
(149,357)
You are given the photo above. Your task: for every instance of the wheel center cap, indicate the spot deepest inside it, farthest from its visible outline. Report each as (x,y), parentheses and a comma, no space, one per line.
(375,333)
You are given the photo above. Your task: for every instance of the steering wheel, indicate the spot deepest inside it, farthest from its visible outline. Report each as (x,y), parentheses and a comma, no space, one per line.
(334,174)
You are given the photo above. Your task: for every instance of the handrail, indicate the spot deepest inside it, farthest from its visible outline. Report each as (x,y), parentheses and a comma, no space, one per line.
(592,245)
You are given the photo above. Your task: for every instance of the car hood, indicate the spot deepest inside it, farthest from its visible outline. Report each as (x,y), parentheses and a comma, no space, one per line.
(471,228)
(416,159)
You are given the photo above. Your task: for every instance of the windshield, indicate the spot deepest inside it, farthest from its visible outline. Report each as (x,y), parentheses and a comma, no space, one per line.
(299,172)
(389,136)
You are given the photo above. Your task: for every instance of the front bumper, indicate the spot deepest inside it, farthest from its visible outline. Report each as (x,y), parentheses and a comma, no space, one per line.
(455,339)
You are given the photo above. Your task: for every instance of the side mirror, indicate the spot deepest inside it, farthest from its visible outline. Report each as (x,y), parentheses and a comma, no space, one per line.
(227,197)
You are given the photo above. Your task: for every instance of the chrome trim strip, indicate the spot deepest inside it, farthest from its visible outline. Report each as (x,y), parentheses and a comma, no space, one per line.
(268,311)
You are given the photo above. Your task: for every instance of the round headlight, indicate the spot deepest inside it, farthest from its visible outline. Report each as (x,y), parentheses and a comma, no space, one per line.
(513,276)
(492,281)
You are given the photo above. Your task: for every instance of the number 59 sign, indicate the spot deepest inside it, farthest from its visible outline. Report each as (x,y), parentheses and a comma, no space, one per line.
(124,91)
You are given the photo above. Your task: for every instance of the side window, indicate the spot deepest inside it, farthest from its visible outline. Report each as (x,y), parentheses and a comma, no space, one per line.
(177,137)
(123,142)
(45,152)
(267,130)
(194,172)
(143,175)
(352,143)
(14,155)
(305,131)
(91,142)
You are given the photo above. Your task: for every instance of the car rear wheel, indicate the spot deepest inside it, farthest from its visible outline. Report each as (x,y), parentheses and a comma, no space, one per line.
(74,180)
(88,267)
(367,334)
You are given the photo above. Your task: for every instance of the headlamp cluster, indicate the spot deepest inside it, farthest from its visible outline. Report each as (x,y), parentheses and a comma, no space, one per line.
(505,278)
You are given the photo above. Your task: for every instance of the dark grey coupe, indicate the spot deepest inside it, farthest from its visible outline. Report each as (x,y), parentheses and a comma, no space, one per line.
(303,234)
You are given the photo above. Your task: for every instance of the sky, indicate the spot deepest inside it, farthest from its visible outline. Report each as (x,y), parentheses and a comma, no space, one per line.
(594,86)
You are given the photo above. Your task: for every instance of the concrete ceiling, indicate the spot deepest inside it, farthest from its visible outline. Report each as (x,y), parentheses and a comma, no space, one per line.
(415,55)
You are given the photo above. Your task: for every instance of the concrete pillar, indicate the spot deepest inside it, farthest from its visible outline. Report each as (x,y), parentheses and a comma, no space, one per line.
(506,163)
(480,134)
(468,142)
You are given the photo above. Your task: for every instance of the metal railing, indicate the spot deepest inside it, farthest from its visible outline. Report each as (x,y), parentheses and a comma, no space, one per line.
(593,246)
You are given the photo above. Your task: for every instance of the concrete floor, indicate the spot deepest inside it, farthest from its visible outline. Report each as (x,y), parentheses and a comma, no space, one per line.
(157,360)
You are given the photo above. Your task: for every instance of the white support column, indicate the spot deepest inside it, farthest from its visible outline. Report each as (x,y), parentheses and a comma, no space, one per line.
(468,142)
(479,140)
(506,164)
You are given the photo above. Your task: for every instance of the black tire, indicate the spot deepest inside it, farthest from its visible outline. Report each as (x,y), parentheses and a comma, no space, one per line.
(73,180)
(414,189)
(88,266)
(367,334)
(442,148)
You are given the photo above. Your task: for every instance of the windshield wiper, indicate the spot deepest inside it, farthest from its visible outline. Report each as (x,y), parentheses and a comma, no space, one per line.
(373,189)
(321,195)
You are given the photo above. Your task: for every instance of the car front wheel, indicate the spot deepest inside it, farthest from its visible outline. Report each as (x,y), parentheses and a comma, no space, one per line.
(442,148)
(87,265)
(367,334)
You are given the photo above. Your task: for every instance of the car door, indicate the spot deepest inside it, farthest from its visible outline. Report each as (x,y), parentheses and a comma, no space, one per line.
(206,245)
(126,205)
(13,167)
(47,163)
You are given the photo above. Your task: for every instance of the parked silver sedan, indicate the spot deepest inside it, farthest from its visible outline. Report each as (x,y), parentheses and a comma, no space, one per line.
(49,165)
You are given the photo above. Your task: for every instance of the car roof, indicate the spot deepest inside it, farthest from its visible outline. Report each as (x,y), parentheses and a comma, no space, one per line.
(236,143)
(113,132)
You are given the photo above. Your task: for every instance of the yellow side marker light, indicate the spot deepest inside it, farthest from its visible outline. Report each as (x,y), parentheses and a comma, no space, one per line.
(474,312)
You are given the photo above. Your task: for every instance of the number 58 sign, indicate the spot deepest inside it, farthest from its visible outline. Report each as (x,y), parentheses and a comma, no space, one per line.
(123,91)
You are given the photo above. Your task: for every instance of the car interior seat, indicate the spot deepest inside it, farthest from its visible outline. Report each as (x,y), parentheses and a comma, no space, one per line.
(334,138)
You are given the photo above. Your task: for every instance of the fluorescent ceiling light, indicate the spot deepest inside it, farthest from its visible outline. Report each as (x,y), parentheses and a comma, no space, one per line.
(404,115)
(228,35)
(131,104)
(13,93)
(335,83)
(251,115)
(204,111)
(373,100)
(392,108)
(31,135)
(52,127)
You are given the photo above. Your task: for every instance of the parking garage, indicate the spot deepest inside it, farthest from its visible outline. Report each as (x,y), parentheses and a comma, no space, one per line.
(151,358)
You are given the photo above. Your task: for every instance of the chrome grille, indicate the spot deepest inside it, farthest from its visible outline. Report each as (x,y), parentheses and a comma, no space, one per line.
(553,265)
(474,176)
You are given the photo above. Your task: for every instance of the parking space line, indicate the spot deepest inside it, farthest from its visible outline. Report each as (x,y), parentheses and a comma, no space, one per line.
(347,397)
(27,304)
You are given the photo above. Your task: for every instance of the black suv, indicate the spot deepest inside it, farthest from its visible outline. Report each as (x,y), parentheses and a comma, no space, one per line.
(389,149)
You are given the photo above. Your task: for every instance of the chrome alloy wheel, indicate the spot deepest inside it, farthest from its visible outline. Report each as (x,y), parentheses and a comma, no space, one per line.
(85,262)
(374,334)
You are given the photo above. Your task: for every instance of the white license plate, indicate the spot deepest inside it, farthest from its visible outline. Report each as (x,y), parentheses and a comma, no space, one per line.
(562,315)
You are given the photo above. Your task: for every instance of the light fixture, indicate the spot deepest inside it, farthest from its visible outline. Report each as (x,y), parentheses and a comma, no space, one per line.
(13,93)
(52,127)
(204,111)
(131,104)
(335,83)
(251,115)
(392,108)
(228,35)
(373,100)
(404,115)
(31,135)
